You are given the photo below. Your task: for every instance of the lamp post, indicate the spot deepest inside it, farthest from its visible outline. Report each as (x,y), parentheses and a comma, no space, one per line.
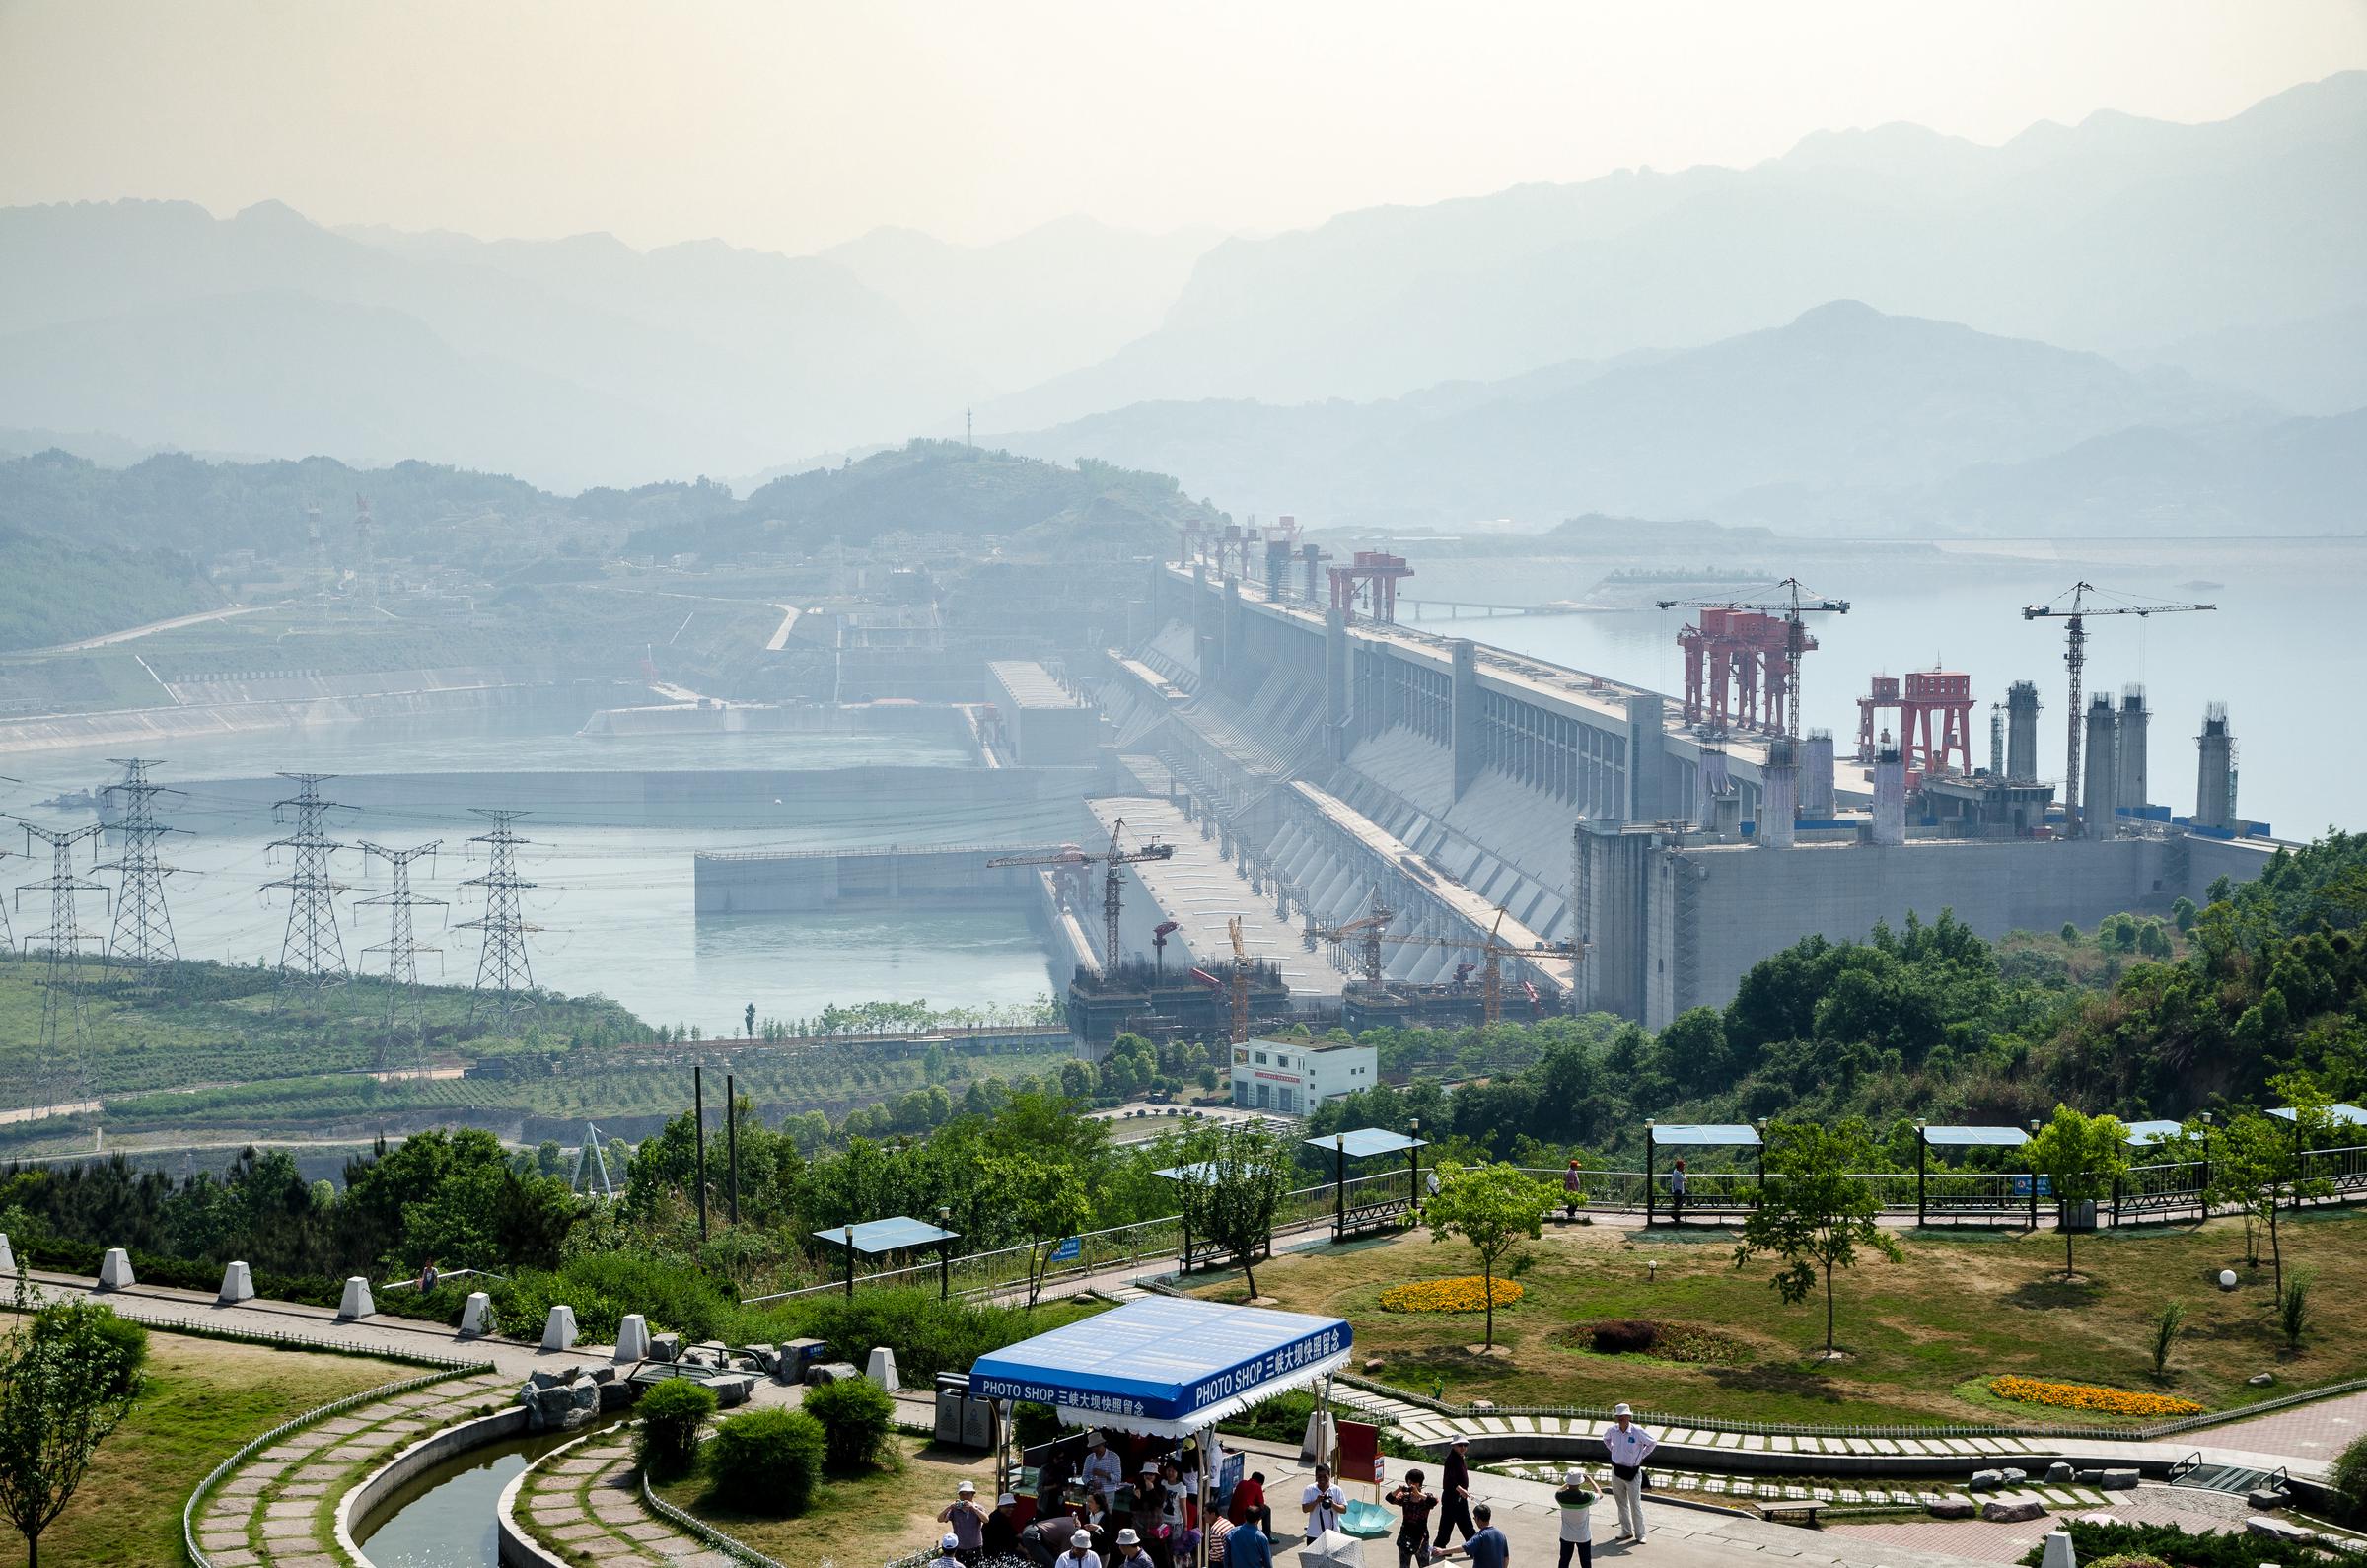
(1921,1145)
(945,1265)
(848,1236)
(1651,1171)
(1413,1156)
(2034,1184)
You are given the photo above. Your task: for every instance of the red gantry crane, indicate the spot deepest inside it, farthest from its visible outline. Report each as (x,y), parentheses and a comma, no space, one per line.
(1113,880)
(2073,607)
(1740,639)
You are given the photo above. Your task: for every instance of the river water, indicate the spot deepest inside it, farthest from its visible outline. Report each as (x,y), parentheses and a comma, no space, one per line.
(2281,651)
(614,904)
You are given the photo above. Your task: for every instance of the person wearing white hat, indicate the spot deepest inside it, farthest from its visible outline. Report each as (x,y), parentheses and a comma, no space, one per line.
(1080,1553)
(1129,1549)
(1577,1499)
(965,1521)
(1102,1472)
(1629,1445)
(945,1557)
(1001,1533)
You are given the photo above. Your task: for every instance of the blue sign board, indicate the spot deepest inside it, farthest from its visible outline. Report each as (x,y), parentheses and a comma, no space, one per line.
(1165,1359)
(1070,1250)
(1228,1477)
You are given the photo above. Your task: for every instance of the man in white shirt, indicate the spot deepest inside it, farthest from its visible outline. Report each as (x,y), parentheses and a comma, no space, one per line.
(1080,1553)
(1630,1446)
(1101,1476)
(1322,1502)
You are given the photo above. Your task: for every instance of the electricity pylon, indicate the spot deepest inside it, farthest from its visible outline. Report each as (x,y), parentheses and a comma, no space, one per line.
(403,958)
(502,968)
(143,929)
(62,1057)
(312,952)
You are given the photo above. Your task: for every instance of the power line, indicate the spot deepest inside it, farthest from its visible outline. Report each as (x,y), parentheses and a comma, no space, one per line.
(312,952)
(502,961)
(63,1054)
(143,929)
(403,958)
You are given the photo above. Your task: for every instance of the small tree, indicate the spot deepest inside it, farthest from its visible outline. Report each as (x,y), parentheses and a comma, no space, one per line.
(750,1033)
(1236,1176)
(68,1376)
(1813,1211)
(1494,1208)
(2166,1324)
(2258,1164)
(2293,1309)
(2082,1158)
(1047,1201)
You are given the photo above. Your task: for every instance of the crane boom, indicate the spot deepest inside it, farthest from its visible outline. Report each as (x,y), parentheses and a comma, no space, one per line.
(2075,657)
(1797,603)
(1113,881)
(1371,931)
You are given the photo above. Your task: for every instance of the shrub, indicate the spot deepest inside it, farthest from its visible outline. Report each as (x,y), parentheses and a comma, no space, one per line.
(857,1417)
(2168,1543)
(2129,1559)
(672,1415)
(2166,1324)
(603,1287)
(2293,1310)
(2349,1478)
(928,1335)
(1615,1336)
(767,1461)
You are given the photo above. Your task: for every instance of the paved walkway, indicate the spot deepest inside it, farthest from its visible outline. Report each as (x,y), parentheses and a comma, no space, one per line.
(280,1508)
(583,1502)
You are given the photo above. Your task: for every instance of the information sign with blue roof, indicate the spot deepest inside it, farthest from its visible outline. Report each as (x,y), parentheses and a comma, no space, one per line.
(1975,1137)
(1704,1134)
(1165,1367)
(900,1233)
(2344,1114)
(1365,1142)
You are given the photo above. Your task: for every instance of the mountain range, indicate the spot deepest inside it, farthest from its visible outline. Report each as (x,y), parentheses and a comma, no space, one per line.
(1885,326)
(1844,420)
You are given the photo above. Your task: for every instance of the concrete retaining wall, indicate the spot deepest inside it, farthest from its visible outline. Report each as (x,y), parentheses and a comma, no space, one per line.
(772,883)
(515,1547)
(431,1450)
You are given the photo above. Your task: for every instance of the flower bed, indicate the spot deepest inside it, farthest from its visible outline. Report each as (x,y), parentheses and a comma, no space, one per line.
(1466,1293)
(2088,1397)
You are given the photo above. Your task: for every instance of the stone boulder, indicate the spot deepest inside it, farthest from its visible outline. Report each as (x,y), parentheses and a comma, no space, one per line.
(558,1403)
(2279,1528)
(1986,1481)
(664,1347)
(2118,1480)
(2267,1498)
(2001,1511)
(2262,1379)
(733,1388)
(2060,1471)
(1953,1507)
(2012,1476)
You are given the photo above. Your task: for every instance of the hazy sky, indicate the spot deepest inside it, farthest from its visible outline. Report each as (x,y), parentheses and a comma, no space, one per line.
(791,125)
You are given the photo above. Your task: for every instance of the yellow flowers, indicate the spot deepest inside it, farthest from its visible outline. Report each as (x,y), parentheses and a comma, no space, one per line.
(2088,1397)
(1466,1293)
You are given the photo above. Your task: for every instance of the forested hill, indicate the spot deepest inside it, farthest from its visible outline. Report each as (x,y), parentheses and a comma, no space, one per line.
(53,592)
(178,501)
(2138,1018)
(948,487)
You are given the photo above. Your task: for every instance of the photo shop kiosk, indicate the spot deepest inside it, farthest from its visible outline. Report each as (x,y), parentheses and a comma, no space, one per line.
(1169,1366)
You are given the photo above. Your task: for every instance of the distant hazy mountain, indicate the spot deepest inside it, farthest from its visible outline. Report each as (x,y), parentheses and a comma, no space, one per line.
(1836,420)
(2119,235)
(1059,297)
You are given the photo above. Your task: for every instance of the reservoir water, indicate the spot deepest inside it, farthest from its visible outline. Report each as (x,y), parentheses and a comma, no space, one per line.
(2279,651)
(614,902)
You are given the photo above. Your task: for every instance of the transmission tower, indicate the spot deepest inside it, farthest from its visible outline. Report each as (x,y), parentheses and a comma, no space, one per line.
(402,959)
(61,1060)
(143,930)
(502,971)
(312,952)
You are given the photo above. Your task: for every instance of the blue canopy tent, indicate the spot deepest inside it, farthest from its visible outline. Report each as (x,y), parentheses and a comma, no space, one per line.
(1367,1143)
(1928,1138)
(1691,1136)
(1168,1367)
(900,1234)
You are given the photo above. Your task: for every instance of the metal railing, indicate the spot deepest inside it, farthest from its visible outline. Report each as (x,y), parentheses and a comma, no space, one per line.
(2146,1191)
(729,1546)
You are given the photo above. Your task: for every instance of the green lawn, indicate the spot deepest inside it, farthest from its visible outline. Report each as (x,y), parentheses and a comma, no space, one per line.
(1922,1336)
(862,1518)
(205,1399)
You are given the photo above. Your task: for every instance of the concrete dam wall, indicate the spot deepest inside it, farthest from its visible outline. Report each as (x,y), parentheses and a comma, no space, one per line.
(792,880)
